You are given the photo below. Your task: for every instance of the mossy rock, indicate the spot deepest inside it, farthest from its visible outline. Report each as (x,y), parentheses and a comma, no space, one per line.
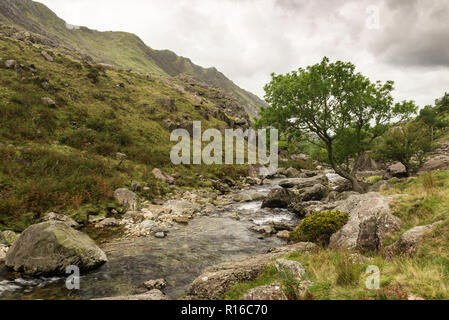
(48,248)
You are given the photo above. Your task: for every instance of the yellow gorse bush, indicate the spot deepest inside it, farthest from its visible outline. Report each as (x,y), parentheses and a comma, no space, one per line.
(319,227)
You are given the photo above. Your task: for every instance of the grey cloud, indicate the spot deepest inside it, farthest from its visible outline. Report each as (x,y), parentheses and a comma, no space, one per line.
(416,34)
(247,40)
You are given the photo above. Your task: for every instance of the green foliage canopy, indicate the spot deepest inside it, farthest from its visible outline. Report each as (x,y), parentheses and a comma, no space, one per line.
(331,105)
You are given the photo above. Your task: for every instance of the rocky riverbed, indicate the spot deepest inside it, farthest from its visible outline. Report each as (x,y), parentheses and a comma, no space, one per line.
(226,231)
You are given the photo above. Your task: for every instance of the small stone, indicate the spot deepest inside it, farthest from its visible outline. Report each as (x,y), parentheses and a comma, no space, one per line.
(108,223)
(10,64)
(182,220)
(48,102)
(267,230)
(121,156)
(158,284)
(235,216)
(135,186)
(284,235)
(160,235)
(47,56)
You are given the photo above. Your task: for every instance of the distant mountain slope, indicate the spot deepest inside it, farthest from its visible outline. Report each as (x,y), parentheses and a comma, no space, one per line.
(124,50)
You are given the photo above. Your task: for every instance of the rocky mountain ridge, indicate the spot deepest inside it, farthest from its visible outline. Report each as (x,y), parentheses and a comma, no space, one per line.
(124,50)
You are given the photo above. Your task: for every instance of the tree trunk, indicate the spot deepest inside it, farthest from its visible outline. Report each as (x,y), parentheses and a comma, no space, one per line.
(352,178)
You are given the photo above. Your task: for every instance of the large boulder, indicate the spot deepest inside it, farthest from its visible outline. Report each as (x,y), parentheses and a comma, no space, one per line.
(440,162)
(279,198)
(370,222)
(217,280)
(48,248)
(127,198)
(408,243)
(292,173)
(315,193)
(396,170)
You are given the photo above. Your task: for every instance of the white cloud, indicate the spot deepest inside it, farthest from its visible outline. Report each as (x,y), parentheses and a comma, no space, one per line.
(249,39)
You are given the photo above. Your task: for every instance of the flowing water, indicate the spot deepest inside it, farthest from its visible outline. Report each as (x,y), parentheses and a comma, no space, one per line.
(179,258)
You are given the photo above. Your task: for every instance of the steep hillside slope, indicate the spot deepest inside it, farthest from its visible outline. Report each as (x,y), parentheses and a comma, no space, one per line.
(63,121)
(124,50)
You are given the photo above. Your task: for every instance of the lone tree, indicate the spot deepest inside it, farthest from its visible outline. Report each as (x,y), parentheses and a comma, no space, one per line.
(332,106)
(407,143)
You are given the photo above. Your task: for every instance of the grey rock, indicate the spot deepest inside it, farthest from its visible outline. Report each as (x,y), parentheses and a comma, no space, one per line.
(271,292)
(396,170)
(301,183)
(47,56)
(153,295)
(135,186)
(126,198)
(292,173)
(370,222)
(295,268)
(48,102)
(107,223)
(217,280)
(10,64)
(158,284)
(61,218)
(49,247)
(160,235)
(408,243)
(279,198)
(160,175)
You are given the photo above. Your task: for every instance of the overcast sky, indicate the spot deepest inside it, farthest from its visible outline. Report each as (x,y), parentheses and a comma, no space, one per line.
(402,40)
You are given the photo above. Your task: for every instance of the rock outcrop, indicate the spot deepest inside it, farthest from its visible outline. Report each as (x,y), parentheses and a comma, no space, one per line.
(408,243)
(48,248)
(369,223)
(217,280)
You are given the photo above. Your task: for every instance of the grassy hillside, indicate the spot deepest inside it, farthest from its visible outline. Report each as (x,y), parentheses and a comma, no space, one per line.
(124,50)
(62,157)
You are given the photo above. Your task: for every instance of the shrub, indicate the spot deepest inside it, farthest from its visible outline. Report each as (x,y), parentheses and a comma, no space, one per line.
(319,227)
(373,179)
